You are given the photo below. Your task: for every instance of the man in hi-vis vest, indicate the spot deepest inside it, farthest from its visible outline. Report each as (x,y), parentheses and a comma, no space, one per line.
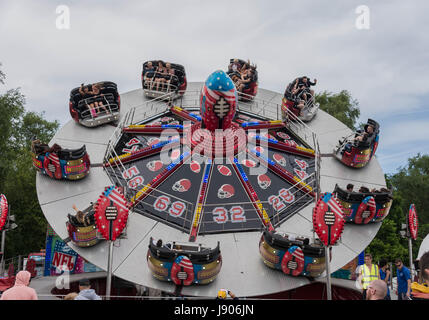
(368,272)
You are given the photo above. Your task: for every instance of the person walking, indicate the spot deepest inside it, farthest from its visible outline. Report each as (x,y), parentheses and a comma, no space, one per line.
(85,291)
(385,275)
(404,280)
(420,291)
(368,273)
(21,290)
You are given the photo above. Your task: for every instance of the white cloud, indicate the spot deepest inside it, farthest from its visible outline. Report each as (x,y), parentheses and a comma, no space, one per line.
(385,68)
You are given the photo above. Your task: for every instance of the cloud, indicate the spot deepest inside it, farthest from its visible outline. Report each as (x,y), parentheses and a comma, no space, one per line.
(385,68)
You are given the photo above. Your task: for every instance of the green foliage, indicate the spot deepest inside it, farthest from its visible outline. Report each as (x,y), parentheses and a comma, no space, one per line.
(410,185)
(17,175)
(341,106)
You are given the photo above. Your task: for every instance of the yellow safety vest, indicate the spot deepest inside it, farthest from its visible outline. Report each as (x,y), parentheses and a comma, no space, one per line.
(369,275)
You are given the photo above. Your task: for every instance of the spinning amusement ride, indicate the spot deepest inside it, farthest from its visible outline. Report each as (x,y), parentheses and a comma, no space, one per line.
(205,187)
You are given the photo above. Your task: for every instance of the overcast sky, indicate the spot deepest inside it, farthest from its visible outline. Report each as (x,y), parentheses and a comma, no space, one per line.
(384,67)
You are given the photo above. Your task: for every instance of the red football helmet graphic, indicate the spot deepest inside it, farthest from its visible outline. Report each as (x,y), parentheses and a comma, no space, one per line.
(269,136)
(153,140)
(175,154)
(165,120)
(283,135)
(195,166)
(248,163)
(225,191)
(264,181)
(259,149)
(182,185)
(154,165)
(224,170)
(279,159)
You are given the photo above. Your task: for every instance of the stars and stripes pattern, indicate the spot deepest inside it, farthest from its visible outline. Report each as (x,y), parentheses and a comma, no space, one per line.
(335,207)
(116,197)
(54,158)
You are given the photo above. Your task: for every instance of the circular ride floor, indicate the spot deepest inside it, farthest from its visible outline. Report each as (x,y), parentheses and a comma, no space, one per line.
(243,270)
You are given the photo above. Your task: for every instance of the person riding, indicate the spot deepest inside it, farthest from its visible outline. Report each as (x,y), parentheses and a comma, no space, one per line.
(246,79)
(160,74)
(304,85)
(149,74)
(170,74)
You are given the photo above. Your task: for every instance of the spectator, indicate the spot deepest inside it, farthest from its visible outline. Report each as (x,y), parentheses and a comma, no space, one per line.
(369,272)
(350,187)
(85,291)
(404,280)
(21,290)
(70,296)
(385,275)
(420,291)
(377,290)
(223,294)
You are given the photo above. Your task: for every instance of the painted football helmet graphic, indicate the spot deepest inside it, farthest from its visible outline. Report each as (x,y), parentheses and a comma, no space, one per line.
(195,166)
(165,120)
(154,165)
(259,149)
(225,191)
(279,159)
(175,153)
(153,140)
(218,101)
(224,170)
(264,181)
(283,135)
(182,185)
(248,163)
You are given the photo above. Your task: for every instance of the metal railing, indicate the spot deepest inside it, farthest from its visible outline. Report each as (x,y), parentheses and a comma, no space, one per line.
(109,107)
(190,101)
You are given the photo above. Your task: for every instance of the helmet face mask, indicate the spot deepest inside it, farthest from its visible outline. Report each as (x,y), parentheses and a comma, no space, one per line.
(225,191)
(264,181)
(182,185)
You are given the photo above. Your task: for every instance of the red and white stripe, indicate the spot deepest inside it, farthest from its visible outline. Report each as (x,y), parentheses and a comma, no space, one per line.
(186,263)
(118,199)
(298,254)
(213,96)
(335,207)
(54,158)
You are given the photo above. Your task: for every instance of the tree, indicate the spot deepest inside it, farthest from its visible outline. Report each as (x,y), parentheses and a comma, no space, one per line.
(410,185)
(17,175)
(341,106)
